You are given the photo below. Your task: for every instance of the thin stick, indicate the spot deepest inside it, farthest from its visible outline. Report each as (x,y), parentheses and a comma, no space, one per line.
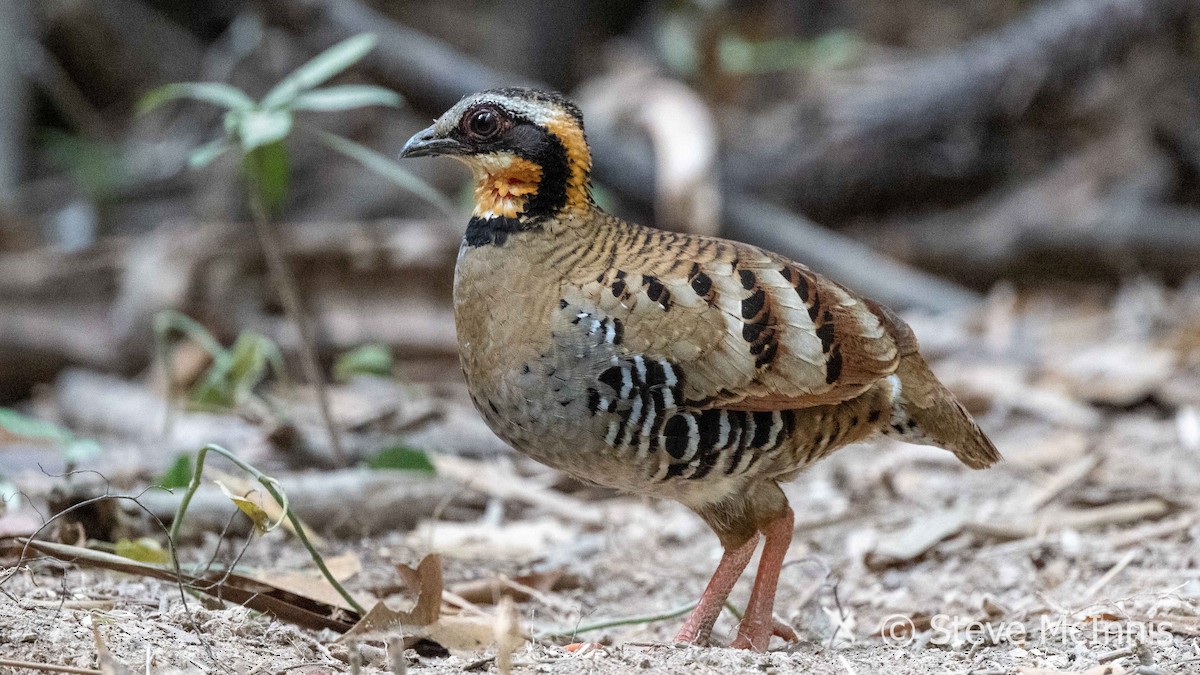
(47,667)
(1110,574)
(289,293)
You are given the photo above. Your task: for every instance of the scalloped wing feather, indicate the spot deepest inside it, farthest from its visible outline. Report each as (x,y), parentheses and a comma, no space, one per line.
(751,330)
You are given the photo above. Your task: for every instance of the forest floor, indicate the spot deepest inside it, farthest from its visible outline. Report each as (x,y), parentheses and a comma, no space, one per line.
(1079,553)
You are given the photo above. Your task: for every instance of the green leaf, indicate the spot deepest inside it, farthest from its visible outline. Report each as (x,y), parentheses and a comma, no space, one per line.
(205,154)
(180,473)
(142,549)
(402,458)
(236,373)
(390,170)
(30,427)
(267,170)
(346,97)
(216,93)
(257,128)
(74,448)
(250,504)
(322,67)
(372,359)
(169,321)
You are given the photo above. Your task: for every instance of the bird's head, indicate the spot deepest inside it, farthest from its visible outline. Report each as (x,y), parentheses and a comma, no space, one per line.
(526,148)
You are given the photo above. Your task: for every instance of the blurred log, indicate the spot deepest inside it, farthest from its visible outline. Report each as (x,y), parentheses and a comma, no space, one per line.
(347,503)
(1121,238)
(890,137)
(96,307)
(429,71)
(1094,216)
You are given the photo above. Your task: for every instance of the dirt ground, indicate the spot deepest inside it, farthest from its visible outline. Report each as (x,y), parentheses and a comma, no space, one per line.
(1079,550)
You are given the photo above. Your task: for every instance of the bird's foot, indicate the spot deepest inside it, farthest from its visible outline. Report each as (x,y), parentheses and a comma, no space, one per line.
(580,648)
(758,638)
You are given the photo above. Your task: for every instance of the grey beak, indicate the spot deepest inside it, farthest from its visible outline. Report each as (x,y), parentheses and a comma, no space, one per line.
(426,143)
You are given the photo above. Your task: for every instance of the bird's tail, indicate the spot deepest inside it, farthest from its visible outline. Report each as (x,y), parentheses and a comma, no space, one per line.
(928,414)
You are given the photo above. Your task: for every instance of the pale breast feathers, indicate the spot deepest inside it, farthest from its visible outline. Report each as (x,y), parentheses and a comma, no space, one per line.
(744,329)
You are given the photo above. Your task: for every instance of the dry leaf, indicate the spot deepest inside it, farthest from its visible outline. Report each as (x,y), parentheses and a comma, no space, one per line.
(266,502)
(425,619)
(251,504)
(313,585)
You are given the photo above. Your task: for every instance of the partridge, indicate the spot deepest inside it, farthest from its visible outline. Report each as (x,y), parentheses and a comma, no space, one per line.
(678,366)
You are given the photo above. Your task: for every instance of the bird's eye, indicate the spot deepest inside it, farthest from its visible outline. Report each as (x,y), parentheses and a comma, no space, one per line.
(483,125)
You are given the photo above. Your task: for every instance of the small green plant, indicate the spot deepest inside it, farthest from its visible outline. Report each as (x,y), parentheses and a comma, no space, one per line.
(401,458)
(235,371)
(371,359)
(74,449)
(273,488)
(259,129)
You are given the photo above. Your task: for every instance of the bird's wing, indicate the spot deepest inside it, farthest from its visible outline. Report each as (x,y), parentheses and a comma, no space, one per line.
(744,329)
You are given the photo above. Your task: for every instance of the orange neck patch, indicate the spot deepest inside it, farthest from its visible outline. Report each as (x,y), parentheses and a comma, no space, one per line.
(579,161)
(503,185)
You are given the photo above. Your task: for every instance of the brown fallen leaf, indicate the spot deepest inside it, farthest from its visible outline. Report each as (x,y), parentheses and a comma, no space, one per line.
(425,619)
(313,585)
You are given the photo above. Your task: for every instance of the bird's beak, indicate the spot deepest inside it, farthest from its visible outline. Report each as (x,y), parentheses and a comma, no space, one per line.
(427,143)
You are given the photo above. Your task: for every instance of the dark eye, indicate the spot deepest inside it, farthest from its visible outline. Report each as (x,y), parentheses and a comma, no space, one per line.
(483,125)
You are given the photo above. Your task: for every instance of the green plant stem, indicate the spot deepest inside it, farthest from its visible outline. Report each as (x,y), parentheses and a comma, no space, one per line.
(613,623)
(272,487)
(278,269)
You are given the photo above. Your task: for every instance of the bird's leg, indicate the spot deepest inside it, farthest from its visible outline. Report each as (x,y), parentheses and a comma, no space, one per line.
(759,624)
(699,624)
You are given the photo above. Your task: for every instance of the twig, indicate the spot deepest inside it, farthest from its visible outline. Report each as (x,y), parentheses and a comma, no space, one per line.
(47,667)
(1062,479)
(1109,575)
(279,271)
(272,486)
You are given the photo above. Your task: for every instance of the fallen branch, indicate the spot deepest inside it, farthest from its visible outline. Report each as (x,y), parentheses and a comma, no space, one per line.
(888,136)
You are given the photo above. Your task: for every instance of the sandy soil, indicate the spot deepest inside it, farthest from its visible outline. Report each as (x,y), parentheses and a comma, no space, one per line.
(1080,548)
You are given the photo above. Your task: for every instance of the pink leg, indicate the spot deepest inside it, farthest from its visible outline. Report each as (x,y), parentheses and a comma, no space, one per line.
(699,624)
(759,622)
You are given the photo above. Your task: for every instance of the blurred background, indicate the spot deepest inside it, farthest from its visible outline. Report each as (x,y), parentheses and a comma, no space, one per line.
(1033,142)
(1020,178)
